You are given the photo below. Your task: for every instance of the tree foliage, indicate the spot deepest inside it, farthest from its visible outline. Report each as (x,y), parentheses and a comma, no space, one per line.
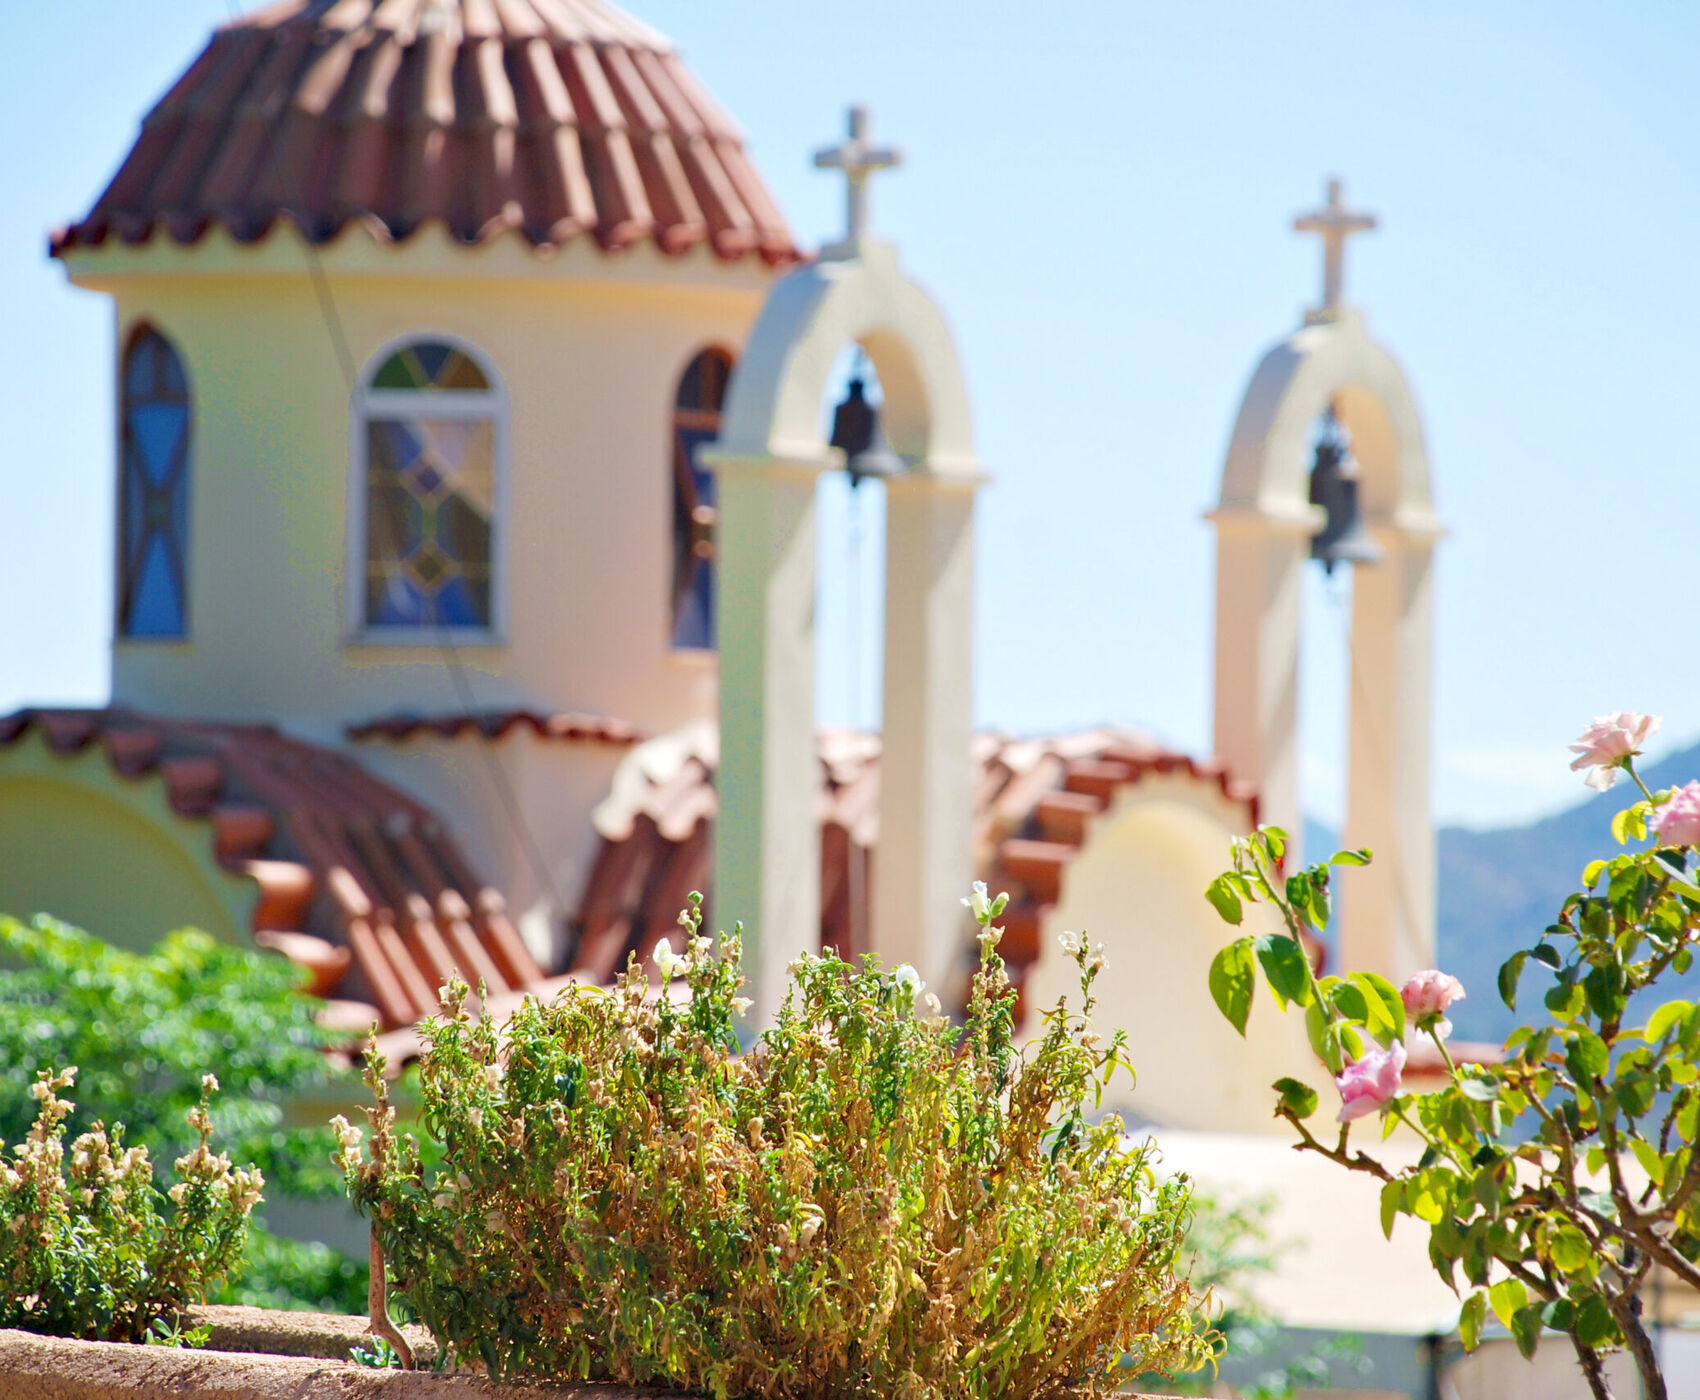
(143,1028)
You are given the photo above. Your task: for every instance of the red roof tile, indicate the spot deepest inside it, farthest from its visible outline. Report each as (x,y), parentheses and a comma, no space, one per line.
(365,888)
(358,883)
(545,118)
(497,724)
(1034,803)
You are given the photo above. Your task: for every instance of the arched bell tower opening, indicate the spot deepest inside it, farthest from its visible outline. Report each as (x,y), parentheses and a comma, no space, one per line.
(1267,523)
(773,450)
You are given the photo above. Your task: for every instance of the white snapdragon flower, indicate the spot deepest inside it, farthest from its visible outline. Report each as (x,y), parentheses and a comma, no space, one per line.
(979,902)
(908,981)
(1070,943)
(667,962)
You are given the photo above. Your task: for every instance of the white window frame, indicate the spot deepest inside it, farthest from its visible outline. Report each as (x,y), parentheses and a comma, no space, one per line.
(486,405)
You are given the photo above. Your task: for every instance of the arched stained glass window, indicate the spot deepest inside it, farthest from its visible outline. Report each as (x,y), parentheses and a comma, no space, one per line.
(153,499)
(432,433)
(696,423)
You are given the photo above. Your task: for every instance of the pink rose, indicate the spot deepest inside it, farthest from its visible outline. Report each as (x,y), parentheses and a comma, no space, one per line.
(1677,823)
(1608,742)
(1370,1083)
(1429,995)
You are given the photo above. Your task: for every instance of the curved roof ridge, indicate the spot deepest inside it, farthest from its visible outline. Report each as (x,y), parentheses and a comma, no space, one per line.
(544,118)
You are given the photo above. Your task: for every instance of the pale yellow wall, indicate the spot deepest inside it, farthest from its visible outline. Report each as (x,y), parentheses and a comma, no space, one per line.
(589,350)
(106,853)
(1138,887)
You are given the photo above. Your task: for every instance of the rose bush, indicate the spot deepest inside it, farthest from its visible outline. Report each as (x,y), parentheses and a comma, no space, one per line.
(1553,1184)
(870,1201)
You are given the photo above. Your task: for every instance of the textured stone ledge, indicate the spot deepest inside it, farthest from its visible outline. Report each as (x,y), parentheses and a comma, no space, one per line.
(52,1368)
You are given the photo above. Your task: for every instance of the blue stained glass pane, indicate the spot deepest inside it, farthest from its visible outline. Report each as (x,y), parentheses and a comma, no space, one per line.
(433,355)
(695,624)
(455,606)
(694,440)
(157,430)
(155,608)
(394,602)
(135,520)
(396,442)
(139,377)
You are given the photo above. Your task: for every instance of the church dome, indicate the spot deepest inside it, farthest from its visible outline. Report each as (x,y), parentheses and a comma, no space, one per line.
(550,119)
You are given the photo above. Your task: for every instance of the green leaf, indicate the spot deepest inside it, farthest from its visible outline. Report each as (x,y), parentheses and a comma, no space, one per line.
(1482,1090)
(1505,1297)
(1298,1099)
(1324,1038)
(1547,956)
(1565,1001)
(1526,1328)
(1392,1202)
(1570,1249)
(1587,1056)
(1666,1017)
(1591,873)
(1648,1156)
(1226,901)
(1233,977)
(1386,1007)
(1350,1002)
(1470,1320)
(1594,1324)
(1359,857)
(1509,972)
(1286,967)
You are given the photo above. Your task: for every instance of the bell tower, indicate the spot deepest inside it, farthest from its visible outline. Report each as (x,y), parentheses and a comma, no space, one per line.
(1270,521)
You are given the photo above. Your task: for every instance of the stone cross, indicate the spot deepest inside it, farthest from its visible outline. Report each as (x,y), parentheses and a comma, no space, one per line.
(1334,223)
(858,158)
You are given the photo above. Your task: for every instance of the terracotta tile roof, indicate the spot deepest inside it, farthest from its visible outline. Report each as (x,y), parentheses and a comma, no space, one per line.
(365,888)
(546,118)
(498,724)
(357,882)
(1035,800)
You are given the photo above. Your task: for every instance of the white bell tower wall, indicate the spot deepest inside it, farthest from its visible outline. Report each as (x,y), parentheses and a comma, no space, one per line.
(769,457)
(1264,523)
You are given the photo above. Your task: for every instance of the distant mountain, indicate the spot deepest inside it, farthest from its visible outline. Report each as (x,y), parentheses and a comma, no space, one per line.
(1500,888)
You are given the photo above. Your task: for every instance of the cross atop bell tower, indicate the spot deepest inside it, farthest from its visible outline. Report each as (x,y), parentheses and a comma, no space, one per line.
(858,158)
(1334,224)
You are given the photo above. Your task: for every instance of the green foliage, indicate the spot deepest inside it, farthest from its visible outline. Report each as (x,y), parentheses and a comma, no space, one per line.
(170,1332)
(88,1252)
(1555,1183)
(142,1029)
(870,1202)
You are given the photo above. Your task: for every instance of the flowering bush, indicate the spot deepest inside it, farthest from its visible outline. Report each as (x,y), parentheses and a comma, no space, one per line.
(869,1202)
(87,1253)
(1556,1181)
(144,1027)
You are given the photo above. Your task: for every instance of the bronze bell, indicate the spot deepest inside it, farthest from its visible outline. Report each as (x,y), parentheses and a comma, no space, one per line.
(1334,487)
(856,432)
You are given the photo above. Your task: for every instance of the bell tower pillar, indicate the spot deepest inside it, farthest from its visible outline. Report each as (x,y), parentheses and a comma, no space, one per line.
(768,836)
(1265,524)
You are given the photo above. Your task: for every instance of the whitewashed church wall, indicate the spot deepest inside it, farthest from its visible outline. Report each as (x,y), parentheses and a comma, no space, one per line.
(1138,888)
(589,368)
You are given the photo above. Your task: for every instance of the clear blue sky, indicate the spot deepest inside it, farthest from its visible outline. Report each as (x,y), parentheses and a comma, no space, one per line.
(1100,196)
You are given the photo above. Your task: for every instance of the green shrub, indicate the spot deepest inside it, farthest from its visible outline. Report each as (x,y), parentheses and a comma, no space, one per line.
(870,1201)
(87,1253)
(143,1028)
